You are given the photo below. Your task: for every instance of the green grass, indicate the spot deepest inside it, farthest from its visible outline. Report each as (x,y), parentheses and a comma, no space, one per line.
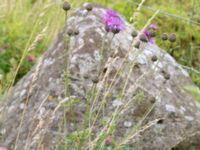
(25,26)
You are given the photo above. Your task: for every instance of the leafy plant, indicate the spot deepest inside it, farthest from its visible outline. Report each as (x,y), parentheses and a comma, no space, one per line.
(194,90)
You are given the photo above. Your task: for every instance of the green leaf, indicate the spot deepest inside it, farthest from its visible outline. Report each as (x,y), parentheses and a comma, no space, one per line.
(198,99)
(192,89)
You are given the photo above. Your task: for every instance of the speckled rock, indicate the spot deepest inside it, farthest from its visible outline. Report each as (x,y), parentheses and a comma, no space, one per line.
(145,94)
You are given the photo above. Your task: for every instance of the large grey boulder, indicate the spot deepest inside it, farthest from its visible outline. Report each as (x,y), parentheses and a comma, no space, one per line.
(150,108)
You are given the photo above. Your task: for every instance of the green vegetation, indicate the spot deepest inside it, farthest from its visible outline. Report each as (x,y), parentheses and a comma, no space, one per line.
(194,90)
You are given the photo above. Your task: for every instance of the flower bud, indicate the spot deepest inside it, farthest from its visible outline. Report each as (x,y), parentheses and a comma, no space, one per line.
(134,33)
(172,37)
(137,44)
(152,33)
(66,6)
(95,79)
(143,38)
(108,140)
(70,32)
(164,36)
(115,31)
(76,32)
(107,29)
(88,7)
(153,26)
(154,58)
(31,59)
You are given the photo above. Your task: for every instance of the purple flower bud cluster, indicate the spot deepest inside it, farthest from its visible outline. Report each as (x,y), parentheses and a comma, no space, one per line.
(113,22)
(31,59)
(108,140)
(153,26)
(147,33)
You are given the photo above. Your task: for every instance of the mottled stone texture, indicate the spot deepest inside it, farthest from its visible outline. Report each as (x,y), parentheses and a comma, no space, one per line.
(141,88)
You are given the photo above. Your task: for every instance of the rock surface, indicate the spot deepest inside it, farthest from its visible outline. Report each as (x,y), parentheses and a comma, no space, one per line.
(145,94)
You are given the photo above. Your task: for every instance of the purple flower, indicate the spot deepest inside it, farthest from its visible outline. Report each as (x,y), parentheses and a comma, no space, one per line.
(113,21)
(3,148)
(153,26)
(31,59)
(108,140)
(150,39)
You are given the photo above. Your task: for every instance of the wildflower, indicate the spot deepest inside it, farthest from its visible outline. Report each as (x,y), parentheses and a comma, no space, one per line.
(149,37)
(134,33)
(144,37)
(88,7)
(70,32)
(31,59)
(152,100)
(107,28)
(152,33)
(50,97)
(108,140)
(95,80)
(113,21)
(137,44)
(172,37)
(153,26)
(166,75)
(76,32)
(164,36)
(66,6)
(154,58)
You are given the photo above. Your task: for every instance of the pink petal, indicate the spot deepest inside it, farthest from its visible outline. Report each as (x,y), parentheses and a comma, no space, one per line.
(3,148)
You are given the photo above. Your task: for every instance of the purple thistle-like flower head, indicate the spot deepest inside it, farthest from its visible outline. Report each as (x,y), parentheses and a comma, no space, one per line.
(113,21)
(150,39)
(147,34)
(153,26)
(31,59)
(108,140)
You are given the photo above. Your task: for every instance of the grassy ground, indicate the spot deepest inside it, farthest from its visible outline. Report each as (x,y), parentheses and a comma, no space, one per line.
(27,29)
